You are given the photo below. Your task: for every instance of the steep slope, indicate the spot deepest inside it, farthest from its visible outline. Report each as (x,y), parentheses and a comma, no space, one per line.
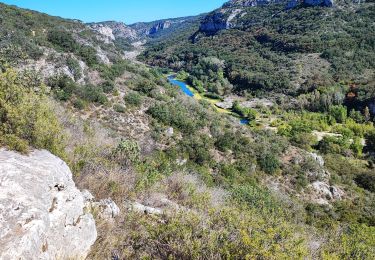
(163,28)
(189,181)
(53,45)
(265,46)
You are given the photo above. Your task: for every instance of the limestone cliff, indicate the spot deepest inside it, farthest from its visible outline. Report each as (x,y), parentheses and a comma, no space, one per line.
(112,30)
(42,214)
(227,17)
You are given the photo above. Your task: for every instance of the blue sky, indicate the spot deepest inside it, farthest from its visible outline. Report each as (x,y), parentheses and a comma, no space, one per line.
(128,11)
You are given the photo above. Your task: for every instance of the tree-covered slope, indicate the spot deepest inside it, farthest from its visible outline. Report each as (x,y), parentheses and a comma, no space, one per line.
(190,181)
(266,47)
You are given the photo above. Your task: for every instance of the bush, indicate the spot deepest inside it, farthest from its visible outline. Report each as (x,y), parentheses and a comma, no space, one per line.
(62,40)
(94,94)
(74,67)
(63,86)
(269,163)
(304,140)
(126,152)
(176,115)
(366,181)
(26,118)
(355,242)
(370,139)
(108,86)
(339,113)
(79,104)
(119,108)
(133,99)
(88,54)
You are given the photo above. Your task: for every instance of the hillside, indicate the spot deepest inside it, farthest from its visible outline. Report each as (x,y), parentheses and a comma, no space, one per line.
(175,176)
(162,29)
(271,48)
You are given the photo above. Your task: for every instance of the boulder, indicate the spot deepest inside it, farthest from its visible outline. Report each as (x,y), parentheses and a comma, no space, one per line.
(319,159)
(106,209)
(169,132)
(42,212)
(226,104)
(140,208)
(324,192)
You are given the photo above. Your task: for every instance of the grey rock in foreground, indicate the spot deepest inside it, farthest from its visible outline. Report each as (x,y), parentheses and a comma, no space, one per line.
(42,213)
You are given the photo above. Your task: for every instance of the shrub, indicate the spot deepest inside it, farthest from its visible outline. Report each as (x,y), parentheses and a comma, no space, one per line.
(355,242)
(79,104)
(62,40)
(145,86)
(108,86)
(94,94)
(213,96)
(88,54)
(119,108)
(331,144)
(356,116)
(63,86)
(269,163)
(174,114)
(26,118)
(370,138)
(126,152)
(339,113)
(133,99)
(74,67)
(366,181)
(304,140)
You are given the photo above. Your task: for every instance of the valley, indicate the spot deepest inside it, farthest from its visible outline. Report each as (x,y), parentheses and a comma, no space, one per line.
(243,133)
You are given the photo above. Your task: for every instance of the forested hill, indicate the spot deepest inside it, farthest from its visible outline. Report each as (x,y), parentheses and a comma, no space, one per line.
(269,47)
(213,175)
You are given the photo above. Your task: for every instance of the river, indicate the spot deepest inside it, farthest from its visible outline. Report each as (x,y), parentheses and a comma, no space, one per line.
(184,87)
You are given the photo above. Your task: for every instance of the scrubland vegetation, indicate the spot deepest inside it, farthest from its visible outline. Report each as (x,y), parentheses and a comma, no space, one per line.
(227,191)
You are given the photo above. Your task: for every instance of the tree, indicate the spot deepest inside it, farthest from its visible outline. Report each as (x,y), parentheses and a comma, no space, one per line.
(356,116)
(339,113)
(370,140)
(367,114)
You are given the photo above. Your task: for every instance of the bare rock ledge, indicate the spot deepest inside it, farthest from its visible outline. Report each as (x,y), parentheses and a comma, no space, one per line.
(42,213)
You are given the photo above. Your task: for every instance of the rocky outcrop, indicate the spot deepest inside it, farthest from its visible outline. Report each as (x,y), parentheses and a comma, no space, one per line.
(105,209)
(42,213)
(325,193)
(114,30)
(160,26)
(214,23)
(227,16)
(150,29)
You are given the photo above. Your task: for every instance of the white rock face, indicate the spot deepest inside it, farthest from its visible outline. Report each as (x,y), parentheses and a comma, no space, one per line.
(319,159)
(325,193)
(107,209)
(42,213)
